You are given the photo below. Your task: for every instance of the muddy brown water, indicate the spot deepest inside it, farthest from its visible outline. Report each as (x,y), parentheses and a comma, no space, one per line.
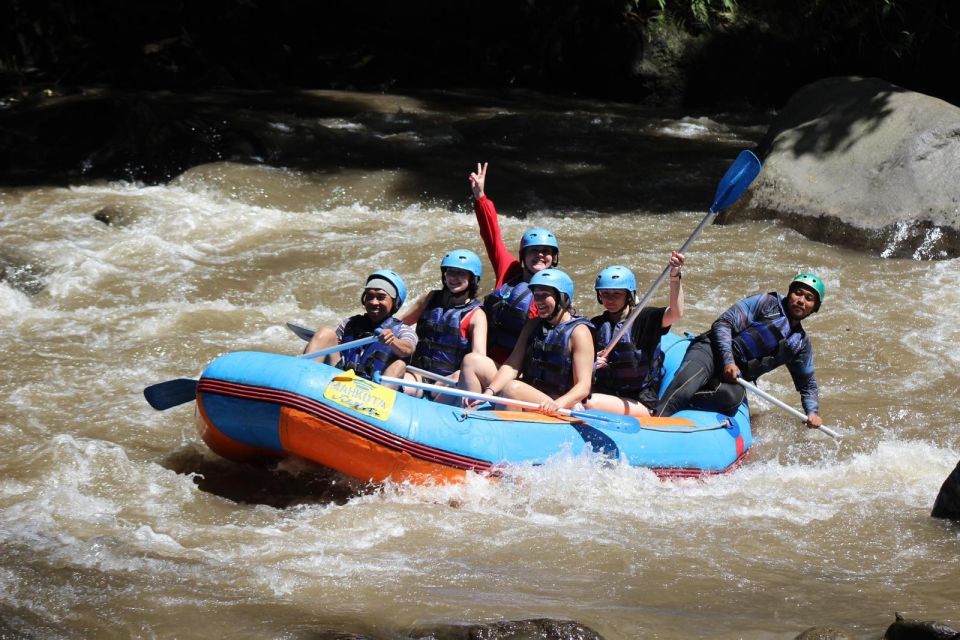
(116,521)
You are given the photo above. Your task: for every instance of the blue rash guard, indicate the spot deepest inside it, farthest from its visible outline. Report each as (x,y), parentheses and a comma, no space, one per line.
(757,314)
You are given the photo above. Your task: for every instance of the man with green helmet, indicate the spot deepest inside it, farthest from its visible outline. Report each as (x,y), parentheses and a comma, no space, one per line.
(754,336)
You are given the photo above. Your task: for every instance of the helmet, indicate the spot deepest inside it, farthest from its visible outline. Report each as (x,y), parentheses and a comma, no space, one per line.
(616,277)
(462,259)
(391,277)
(540,238)
(556,280)
(811,281)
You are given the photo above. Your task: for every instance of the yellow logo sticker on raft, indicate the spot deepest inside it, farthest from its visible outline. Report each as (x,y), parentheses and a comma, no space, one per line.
(360,395)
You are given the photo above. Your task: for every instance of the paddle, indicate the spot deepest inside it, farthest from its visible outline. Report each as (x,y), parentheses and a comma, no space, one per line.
(301,332)
(171,393)
(783,405)
(429,375)
(608,420)
(342,347)
(734,182)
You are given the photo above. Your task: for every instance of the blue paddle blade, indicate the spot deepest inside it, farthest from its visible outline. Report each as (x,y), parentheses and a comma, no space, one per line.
(609,421)
(171,393)
(736,180)
(301,332)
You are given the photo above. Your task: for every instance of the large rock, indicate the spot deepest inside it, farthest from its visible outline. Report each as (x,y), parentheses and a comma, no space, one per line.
(862,163)
(947,504)
(906,629)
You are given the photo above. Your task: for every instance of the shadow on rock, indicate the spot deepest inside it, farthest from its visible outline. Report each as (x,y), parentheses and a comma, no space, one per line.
(274,483)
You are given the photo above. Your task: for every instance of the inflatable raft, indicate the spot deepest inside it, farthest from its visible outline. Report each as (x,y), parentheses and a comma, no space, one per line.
(253,404)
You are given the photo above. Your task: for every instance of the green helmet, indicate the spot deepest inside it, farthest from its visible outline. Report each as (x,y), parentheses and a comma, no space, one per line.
(811,281)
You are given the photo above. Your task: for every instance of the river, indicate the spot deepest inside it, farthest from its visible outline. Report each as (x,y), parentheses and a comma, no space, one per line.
(116,521)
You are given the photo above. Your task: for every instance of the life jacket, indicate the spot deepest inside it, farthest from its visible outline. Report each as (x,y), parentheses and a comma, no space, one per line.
(767,342)
(442,344)
(508,309)
(629,368)
(548,362)
(369,358)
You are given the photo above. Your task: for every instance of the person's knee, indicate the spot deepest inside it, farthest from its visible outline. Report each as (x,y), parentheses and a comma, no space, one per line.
(729,397)
(395,369)
(322,338)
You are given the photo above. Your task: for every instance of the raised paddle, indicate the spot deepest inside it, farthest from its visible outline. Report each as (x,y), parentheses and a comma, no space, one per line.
(783,405)
(171,393)
(606,420)
(734,182)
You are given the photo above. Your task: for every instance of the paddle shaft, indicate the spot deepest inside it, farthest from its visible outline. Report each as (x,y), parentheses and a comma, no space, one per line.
(732,185)
(783,405)
(430,375)
(340,347)
(707,219)
(470,395)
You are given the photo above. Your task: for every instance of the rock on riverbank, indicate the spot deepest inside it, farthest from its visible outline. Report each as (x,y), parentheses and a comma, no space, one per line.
(862,163)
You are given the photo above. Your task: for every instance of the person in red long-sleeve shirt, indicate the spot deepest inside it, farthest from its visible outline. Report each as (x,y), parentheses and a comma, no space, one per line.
(509,306)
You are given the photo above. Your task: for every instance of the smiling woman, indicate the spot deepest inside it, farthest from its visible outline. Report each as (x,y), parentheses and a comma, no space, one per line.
(554,353)
(450,323)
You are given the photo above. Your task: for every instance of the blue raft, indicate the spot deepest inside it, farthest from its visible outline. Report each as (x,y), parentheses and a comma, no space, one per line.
(253,404)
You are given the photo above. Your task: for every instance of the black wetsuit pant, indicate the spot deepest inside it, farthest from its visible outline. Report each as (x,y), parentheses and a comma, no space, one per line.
(697,384)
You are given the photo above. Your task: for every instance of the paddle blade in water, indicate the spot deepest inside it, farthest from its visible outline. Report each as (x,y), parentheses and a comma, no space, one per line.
(301,332)
(171,393)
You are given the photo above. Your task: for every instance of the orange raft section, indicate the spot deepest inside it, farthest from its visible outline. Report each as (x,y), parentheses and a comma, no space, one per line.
(320,441)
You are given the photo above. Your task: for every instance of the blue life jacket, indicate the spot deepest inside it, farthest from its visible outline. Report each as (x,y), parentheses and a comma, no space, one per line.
(767,342)
(368,358)
(548,362)
(508,309)
(442,346)
(629,368)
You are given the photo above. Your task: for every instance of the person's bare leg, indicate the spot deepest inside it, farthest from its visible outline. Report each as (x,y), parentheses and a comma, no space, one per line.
(476,372)
(519,390)
(398,369)
(323,339)
(615,404)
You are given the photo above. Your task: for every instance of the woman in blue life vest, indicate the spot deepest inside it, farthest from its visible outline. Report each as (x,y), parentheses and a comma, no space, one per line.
(754,336)
(554,354)
(383,294)
(627,380)
(450,321)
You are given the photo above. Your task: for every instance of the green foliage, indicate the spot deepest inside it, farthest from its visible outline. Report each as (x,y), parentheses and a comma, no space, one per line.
(702,13)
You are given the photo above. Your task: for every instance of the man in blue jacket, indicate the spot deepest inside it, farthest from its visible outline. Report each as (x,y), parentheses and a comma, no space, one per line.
(754,336)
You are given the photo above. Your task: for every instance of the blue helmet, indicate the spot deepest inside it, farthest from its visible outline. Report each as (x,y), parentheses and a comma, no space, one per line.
(556,280)
(616,277)
(462,259)
(391,282)
(540,238)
